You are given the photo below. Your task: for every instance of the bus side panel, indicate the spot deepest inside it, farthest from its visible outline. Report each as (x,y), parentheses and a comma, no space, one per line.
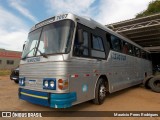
(126,70)
(88,71)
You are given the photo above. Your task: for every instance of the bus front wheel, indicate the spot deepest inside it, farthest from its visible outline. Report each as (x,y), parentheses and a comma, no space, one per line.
(100,92)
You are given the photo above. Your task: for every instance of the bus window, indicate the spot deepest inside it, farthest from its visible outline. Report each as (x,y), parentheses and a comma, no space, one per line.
(97,47)
(130,51)
(137,52)
(81,49)
(149,56)
(125,48)
(143,53)
(116,43)
(97,43)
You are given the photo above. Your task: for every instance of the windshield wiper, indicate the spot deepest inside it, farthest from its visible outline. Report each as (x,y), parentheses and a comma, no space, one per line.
(43,54)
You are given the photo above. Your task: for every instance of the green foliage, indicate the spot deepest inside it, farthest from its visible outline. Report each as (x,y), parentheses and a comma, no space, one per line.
(5,72)
(153,8)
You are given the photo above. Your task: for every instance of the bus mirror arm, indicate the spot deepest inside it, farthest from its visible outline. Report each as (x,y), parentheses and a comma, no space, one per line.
(80,36)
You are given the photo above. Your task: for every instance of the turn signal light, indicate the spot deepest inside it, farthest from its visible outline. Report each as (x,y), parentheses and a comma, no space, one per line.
(62,84)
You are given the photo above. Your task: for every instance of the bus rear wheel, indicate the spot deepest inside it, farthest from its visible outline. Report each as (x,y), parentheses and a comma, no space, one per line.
(100,92)
(155,84)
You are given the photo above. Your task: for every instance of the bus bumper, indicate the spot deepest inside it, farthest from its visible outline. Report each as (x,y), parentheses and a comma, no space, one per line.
(48,99)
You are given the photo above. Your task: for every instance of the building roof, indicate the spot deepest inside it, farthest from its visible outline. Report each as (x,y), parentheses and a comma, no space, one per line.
(145,31)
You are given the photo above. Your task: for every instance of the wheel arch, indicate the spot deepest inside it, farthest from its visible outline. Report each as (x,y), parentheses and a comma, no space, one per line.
(103,76)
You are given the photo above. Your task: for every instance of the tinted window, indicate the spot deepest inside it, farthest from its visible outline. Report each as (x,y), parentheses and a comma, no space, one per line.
(81,49)
(115,43)
(143,53)
(97,43)
(137,52)
(131,51)
(125,48)
(149,56)
(85,44)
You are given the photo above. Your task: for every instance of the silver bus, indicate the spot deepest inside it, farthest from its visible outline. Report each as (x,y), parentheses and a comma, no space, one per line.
(69,59)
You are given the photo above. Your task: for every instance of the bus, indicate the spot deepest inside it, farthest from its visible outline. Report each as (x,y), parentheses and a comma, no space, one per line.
(68,59)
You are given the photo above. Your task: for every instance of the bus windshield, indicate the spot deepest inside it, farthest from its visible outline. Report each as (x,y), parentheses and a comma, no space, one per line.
(53,38)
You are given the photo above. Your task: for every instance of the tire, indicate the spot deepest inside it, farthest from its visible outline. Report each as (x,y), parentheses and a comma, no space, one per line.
(146,82)
(154,83)
(100,92)
(16,81)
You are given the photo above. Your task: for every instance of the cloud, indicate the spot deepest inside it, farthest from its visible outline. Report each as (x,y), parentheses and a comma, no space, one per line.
(12,40)
(13,31)
(118,10)
(16,5)
(103,11)
(83,7)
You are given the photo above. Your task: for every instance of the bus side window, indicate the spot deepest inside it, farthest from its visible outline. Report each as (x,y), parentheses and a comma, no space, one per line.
(149,57)
(115,43)
(143,54)
(81,49)
(131,52)
(97,43)
(137,52)
(97,47)
(125,48)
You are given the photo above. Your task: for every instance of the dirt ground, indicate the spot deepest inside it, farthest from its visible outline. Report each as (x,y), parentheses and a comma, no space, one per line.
(132,99)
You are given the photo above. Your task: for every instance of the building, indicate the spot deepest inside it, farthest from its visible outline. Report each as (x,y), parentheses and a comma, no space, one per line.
(9,59)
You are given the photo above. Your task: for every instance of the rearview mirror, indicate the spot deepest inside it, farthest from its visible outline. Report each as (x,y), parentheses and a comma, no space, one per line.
(80,36)
(24,45)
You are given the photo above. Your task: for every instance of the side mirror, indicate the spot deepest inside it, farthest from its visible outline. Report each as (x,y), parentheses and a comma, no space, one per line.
(23,46)
(80,36)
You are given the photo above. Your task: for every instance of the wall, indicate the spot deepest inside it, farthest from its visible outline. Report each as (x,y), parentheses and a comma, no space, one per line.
(9,59)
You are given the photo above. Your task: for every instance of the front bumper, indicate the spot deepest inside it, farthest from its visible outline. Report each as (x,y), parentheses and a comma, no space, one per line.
(54,100)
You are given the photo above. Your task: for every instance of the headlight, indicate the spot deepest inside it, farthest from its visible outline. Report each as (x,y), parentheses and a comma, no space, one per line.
(49,83)
(52,84)
(46,83)
(22,81)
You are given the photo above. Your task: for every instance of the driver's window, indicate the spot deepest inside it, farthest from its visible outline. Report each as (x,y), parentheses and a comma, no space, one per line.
(81,49)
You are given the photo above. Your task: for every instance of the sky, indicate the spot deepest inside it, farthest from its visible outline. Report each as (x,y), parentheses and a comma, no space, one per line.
(18,16)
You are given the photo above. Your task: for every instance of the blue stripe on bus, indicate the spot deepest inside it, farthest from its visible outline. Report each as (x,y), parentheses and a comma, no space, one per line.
(54,100)
(45,94)
(32,99)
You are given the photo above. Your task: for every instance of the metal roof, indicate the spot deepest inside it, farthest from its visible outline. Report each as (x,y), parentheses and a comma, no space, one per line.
(144,31)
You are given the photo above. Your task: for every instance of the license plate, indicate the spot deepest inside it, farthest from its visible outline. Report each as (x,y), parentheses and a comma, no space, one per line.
(32,82)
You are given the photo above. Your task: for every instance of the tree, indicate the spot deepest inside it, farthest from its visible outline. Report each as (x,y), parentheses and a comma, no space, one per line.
(153,8)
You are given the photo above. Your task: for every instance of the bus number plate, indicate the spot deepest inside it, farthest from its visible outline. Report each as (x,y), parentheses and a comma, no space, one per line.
(32,82)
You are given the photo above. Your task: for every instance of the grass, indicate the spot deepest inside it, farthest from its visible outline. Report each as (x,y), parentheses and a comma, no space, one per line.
(5,72)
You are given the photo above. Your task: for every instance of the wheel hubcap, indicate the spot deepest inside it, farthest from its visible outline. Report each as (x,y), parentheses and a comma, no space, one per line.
(102,92)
